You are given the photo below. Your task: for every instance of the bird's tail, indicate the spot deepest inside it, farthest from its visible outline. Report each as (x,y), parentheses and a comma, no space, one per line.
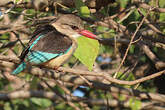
(20,68)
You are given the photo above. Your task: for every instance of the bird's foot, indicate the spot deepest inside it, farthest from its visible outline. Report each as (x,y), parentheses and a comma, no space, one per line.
(56,68)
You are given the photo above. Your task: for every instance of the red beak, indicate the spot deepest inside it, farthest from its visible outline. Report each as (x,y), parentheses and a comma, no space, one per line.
(88,34)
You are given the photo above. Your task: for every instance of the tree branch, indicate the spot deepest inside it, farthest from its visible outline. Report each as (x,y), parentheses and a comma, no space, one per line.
(22,94)
(94,77)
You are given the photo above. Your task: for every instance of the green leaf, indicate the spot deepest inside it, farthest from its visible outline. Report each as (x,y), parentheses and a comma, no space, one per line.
(102,29)
(60,106)
(143,58)
(79,3)
(7,106)
(162,3)
(123,3)
(59,90)
(82,9)
(34,83)
(122,76)
(134,104)
(41,102)
(132,49)
(87,51)
(162,17)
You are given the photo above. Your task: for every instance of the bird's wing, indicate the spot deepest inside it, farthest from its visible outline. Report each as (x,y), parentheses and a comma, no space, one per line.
(44,47)
(52,42)
(40,30)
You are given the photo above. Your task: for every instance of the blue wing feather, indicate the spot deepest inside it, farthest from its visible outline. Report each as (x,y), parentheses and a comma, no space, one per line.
(38,57)
(20,68)
(35,42)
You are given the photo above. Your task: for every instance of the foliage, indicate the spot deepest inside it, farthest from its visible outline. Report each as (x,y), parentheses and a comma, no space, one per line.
(87,51)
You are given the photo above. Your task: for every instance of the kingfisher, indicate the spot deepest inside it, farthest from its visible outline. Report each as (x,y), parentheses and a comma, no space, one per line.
(52,45)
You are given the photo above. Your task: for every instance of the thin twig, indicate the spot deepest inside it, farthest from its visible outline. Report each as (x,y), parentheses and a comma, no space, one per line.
(129,45)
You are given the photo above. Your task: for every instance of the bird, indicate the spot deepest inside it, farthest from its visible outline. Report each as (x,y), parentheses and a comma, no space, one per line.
(52,45)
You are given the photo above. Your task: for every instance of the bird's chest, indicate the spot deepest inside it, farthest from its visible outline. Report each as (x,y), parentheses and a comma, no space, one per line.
(60,60)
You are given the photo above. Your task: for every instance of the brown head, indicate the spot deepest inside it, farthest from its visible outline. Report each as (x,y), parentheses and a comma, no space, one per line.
(72,26)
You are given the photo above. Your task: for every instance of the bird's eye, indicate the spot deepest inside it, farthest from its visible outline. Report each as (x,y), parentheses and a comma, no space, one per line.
(74,27)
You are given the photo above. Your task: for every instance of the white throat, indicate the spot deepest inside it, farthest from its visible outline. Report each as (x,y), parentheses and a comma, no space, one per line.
(76,35)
